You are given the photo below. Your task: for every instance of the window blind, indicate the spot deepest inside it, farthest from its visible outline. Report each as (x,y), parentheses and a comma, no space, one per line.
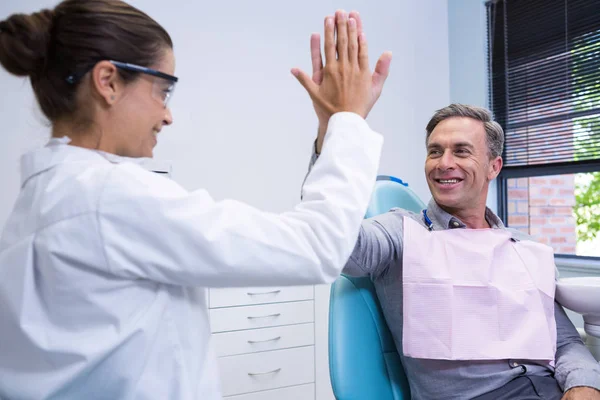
(544,71)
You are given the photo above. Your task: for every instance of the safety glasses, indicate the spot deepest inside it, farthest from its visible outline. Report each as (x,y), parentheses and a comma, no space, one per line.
(162,88)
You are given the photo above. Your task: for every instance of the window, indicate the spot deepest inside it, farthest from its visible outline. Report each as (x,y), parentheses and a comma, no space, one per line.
(544,89)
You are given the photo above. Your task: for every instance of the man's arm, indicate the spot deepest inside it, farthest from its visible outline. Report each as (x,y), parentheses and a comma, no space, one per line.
(379,241)
(575,365)
(377,246)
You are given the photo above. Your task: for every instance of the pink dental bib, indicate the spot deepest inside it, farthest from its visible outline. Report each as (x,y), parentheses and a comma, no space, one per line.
(477,295)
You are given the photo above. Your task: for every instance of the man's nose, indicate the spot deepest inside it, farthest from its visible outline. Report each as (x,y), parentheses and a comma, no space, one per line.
(446,161)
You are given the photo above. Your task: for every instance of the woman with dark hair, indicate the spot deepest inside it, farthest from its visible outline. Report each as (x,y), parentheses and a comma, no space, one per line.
(103,263)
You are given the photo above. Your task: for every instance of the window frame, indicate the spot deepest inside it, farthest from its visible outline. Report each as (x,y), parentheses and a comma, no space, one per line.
(545,170)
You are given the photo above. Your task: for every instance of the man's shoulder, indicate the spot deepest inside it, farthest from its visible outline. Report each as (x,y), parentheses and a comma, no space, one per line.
(520,235)
(403,212)
(394,218)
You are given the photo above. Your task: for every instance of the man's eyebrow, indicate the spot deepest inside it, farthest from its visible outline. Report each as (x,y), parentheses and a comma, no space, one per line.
(463,144)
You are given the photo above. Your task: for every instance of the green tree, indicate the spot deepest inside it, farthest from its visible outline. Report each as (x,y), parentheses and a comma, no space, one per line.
(586,134)
(587,205)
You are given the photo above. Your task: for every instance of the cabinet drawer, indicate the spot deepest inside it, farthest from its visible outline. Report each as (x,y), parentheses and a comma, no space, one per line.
(251,317)
(266,339)
(248,296)
(302,392)
(269,370)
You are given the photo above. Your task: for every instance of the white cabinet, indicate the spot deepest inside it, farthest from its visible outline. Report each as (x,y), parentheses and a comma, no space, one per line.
(301,392)
(269,370)
(252,317)
(248,296)
(264,339)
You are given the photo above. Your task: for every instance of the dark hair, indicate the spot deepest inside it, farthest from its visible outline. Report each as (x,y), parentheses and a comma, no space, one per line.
(50,45)
(493,130)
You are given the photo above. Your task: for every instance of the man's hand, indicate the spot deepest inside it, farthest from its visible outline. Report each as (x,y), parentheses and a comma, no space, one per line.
(582,393)
(345,83)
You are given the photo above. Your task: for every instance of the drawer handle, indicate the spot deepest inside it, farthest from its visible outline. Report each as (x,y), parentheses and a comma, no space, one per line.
(264,341)
(266,316)
(264,373)
(263,293)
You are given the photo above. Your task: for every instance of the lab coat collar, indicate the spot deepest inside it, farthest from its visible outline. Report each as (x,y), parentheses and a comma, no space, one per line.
(58,151)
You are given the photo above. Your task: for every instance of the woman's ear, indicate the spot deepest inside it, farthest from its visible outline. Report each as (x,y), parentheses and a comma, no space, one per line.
(106,82)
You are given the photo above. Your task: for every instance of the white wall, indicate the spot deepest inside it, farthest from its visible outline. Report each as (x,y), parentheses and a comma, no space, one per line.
(243,125)
(468,52)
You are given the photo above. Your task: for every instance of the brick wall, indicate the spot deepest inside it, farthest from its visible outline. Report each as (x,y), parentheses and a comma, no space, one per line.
(543,208)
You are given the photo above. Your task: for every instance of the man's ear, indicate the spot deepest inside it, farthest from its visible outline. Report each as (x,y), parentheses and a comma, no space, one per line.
(106,82)
(495,168)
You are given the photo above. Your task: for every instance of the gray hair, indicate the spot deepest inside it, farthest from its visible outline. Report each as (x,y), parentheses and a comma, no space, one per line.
(493,130)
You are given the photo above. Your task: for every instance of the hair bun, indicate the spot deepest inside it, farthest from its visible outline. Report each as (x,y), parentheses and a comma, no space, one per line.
(24,42)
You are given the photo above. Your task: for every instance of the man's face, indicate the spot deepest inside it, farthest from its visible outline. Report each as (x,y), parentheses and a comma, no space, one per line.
(458,167)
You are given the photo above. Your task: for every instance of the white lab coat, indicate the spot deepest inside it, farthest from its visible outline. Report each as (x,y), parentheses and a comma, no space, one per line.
(103,265)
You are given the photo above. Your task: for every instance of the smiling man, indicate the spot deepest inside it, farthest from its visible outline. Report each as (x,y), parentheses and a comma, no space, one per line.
(470,303)
(464,150)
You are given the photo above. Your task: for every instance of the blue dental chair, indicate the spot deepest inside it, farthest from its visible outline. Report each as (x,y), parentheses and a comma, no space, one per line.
(363,361)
